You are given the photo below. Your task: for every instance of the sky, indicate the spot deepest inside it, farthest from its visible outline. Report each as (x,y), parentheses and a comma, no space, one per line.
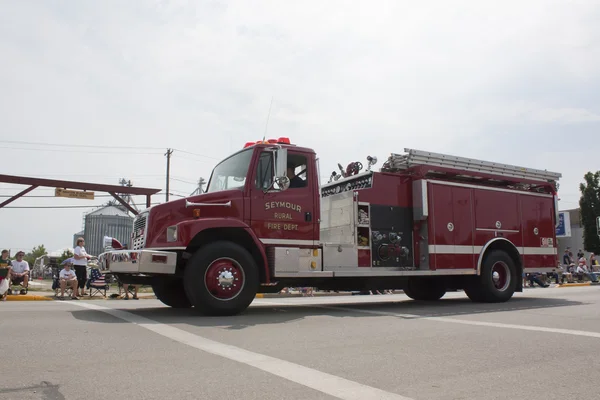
(97,91)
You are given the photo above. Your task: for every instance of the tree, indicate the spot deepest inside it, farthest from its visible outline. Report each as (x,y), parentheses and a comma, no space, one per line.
(36,252)
(590,209)
(66,254)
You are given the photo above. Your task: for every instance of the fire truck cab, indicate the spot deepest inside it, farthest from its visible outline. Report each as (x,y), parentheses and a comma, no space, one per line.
(425,223)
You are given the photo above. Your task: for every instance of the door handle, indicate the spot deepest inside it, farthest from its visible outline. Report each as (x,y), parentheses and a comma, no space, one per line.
(307,217)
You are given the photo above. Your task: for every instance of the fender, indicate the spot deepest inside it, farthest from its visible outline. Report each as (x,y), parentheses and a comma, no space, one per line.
(187,230)
(487,245)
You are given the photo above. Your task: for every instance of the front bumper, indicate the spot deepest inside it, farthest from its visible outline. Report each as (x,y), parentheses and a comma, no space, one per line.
(139,261)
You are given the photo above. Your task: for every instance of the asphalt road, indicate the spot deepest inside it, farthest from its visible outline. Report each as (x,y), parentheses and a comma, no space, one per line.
(541,345)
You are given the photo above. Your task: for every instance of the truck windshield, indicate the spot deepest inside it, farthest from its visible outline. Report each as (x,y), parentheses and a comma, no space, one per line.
(230,173)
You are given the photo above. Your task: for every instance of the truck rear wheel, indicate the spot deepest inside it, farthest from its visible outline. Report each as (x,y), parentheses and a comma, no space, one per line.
(424,289)
(498,279)
(221,278)
(171,293)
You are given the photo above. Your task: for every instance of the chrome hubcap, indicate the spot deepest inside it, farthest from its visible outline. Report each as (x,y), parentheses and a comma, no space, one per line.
(500,276)
(225,279)
(496,277)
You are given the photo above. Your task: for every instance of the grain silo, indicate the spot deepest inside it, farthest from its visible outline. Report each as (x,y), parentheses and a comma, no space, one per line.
(110,220)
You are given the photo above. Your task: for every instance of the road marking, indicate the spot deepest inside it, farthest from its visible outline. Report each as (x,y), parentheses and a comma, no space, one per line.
(438,319)
(326,383)
(469,322)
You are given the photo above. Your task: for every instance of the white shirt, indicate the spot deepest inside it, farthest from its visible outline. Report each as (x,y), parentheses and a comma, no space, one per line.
(80,251)
(20,266)
(64,274)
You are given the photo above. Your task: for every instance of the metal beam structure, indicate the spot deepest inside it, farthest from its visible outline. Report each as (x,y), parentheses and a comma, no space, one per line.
(16,196)
(123,203)
(97,187)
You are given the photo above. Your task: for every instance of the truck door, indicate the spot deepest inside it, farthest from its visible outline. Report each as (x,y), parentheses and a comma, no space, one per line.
(287,217)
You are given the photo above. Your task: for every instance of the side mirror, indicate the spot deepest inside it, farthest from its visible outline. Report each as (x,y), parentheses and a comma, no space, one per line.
(281,180)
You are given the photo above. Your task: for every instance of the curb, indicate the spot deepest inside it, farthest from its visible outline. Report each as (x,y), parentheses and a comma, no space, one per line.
(26,297)
(576,284)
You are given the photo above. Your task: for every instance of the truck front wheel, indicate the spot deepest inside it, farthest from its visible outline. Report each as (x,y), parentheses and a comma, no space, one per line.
(221,278)
(171,293)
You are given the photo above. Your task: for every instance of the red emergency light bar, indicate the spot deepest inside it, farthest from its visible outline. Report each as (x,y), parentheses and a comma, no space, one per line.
(281,140)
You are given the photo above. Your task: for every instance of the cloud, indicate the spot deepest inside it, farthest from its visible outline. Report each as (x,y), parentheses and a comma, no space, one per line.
(477,79)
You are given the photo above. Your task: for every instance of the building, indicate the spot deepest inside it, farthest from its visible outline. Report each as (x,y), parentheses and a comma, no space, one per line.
(575,241)
(110,220)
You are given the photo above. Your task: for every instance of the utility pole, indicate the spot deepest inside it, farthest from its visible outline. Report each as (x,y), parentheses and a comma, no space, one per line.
(168,154)
(199,190)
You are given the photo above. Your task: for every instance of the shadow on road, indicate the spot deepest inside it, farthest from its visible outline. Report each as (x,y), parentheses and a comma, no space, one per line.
(281,314)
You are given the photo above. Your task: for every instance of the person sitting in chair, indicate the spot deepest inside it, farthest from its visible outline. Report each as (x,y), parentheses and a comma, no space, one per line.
(295,181)
(19,272)
(68,277)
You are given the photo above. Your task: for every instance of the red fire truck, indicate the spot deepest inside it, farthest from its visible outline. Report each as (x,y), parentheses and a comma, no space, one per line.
(425,223)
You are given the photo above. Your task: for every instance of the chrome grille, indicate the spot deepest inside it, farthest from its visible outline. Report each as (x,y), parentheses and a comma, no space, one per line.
(138,236)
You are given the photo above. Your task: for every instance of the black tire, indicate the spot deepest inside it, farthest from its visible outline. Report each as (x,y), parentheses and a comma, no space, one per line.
(473,290)
(424,289)
(489,288)
(171,292)
(208,266)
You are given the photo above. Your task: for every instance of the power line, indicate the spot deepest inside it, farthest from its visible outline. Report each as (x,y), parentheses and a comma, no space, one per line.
(75,206)
(125,148)
(67,207)
(98,176)
(79,145)
(183,181)
(127,153)
(196,154)
(40,196)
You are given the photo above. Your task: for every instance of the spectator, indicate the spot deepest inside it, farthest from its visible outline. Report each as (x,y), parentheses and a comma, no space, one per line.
(535,278)
(81,259)
(4,260)
(19,271)
(135,291)
(580,254)
(4,274)
(582,268)
(566,258)
(68,277)
(593,262)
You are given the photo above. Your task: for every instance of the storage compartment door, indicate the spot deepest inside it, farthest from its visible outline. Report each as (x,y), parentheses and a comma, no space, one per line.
(451,227)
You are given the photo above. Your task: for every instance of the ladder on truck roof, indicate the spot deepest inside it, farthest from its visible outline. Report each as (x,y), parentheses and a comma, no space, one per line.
(413,158)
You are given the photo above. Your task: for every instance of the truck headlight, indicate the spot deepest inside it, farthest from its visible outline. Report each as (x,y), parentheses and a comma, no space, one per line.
(172,234)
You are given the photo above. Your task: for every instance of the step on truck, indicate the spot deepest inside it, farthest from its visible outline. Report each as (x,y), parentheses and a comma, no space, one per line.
(424,223)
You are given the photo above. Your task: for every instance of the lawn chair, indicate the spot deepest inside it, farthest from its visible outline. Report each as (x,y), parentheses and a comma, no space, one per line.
(18,288)
(97,283)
